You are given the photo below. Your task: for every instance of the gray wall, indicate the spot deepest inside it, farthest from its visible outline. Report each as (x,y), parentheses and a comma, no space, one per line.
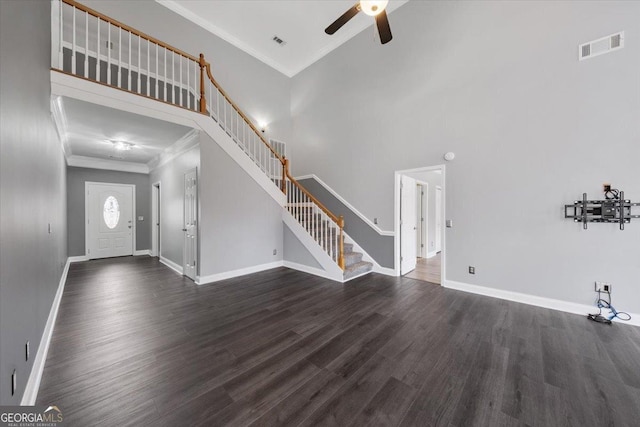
(76,178)
(32,191)
(261,92)
(171,178)
(295,251)
(379,247)
(499,84)
(241,224)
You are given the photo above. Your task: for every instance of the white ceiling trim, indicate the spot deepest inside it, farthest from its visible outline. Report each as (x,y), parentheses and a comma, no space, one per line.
(181,146)
(60,120)
(185,13)
(113,165)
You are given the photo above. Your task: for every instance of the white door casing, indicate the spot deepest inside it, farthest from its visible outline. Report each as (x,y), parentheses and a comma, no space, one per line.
(190,228)
(438,219)
(110,225)
(407,224)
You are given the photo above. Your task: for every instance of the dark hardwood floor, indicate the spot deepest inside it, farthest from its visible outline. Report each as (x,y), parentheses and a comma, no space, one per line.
(136,344)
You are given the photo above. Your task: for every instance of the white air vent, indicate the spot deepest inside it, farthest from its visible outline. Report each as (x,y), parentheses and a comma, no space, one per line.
(601,46)
(278,40)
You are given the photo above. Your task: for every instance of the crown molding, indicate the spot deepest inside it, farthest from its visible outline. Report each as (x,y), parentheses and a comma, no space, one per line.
(184,144)
(104,164)
(60,121)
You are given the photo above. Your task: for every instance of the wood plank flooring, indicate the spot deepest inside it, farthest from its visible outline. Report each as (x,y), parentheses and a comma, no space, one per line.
(136,344)
(427,269)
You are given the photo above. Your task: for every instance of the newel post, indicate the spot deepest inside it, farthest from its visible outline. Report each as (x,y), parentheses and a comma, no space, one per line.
(341,243)
(203,98)
(285,170)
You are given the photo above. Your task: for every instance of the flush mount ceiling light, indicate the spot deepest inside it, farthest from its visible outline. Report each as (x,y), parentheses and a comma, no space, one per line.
(122,146)
(375,8)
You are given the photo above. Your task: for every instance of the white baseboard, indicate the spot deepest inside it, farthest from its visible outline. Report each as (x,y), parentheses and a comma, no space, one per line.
(172,265)
(142,252)
(554,304)
(235,273)
(33,383)
(310,270)
(79,258)
(384,270)
(431,254)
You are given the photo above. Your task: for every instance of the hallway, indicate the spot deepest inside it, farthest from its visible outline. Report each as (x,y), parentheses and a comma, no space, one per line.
(427,269)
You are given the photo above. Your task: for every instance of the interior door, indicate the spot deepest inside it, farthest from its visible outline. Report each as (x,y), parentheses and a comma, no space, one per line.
(438,218)
(407,224)
(110,224)
(190,224)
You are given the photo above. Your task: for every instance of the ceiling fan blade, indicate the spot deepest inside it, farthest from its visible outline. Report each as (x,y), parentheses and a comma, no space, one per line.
(383,27)
(338,23)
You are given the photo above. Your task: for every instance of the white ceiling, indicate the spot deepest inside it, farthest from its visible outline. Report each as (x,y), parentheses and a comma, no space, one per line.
(251,24)
(87,130)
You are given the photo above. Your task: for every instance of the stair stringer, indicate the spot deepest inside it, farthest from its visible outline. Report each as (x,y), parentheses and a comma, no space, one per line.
(85,90)
(377,268)
(330,269)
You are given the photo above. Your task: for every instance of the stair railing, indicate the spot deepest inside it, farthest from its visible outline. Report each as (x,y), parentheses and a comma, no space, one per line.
(325,227)
(93,46)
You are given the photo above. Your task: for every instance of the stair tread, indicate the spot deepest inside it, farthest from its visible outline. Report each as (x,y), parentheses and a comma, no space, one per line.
(357,269)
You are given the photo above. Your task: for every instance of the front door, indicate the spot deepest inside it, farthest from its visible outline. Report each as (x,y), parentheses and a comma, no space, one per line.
(190,224)
(110,226)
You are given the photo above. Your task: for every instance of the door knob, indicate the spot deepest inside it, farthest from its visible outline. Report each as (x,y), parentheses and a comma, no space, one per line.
(129,226)
(184,229)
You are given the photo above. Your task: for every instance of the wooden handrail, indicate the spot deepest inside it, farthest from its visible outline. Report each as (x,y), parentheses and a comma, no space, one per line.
(316,201)
(112,21)
(244,116)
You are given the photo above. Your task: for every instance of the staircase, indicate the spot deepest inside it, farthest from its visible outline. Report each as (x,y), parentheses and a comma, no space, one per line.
(354,266)
(138,63)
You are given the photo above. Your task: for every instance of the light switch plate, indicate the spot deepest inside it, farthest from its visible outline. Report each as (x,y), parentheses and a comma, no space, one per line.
(449,223)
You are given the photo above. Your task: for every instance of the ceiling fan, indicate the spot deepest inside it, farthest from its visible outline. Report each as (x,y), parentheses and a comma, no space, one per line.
(375,8)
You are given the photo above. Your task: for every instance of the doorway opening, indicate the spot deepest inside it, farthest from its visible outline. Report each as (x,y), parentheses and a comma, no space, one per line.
(419,225)
(155,220)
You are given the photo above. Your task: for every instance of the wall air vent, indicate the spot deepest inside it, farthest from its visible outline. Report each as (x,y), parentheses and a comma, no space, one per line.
(601,46)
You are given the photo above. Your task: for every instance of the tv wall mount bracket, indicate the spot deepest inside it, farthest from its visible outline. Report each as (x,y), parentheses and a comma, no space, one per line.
(613,209)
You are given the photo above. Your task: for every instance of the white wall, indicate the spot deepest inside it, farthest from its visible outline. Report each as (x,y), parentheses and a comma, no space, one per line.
(499,84)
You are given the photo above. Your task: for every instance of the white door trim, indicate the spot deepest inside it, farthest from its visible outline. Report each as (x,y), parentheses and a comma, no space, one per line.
(134,217)
(396,209)
(156,199)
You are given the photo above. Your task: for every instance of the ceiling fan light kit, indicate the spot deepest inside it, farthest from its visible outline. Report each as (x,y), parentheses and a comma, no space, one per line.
(375,8)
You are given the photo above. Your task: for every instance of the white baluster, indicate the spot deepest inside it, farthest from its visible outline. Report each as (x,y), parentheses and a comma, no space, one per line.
(180,65)
(98,54)
(148,92)
(86,45)
(61,47)
(140,65)
(73,44)
(119,57)
(188,84)
(129,67)
(164,77)
(157,74)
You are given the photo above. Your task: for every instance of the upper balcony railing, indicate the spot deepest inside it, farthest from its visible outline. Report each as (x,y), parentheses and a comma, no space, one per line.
(93,46)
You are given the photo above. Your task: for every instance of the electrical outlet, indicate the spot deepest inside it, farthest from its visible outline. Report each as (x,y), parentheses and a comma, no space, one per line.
(375,221)
(472,270)
(27,351)
(603,287)
(275,252)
